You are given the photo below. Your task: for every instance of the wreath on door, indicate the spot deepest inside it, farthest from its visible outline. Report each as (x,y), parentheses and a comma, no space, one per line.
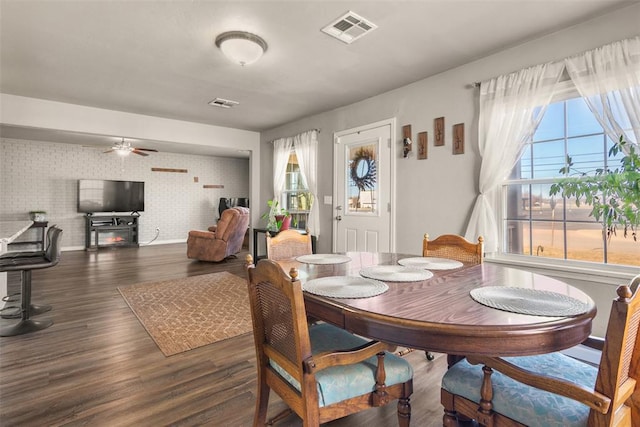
(363,169)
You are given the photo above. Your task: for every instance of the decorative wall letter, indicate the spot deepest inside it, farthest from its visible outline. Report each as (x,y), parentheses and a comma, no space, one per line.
(458,138)
(422,145)
(438,131)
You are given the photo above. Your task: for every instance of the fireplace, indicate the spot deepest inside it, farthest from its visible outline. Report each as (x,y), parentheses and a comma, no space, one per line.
(111,231)
(111,237)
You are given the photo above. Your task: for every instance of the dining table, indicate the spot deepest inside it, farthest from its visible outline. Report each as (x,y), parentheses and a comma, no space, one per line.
(486,309)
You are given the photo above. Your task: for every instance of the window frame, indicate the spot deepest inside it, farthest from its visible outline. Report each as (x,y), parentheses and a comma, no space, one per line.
(583,270)
(284,202)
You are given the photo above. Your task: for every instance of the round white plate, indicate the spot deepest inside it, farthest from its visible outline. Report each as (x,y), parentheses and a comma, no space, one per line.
(430,263)
(323,259)
(345,287)
(396,273)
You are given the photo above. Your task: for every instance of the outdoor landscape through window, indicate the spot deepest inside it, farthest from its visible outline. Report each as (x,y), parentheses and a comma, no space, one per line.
(540,225)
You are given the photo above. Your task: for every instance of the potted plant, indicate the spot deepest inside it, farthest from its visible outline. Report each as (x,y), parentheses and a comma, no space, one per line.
(277,218)
(38,216)
(613,194)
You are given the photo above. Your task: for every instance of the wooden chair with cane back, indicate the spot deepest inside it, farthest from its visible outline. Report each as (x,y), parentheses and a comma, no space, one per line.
(320,371)
(450,246)
(288,244)
(554,389)
(455,247)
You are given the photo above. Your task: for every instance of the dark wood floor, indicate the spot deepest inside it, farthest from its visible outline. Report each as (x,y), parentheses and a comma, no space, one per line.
(97,365)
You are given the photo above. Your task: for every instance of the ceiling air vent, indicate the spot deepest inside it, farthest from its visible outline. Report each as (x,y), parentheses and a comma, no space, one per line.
(223,103)
(349,28)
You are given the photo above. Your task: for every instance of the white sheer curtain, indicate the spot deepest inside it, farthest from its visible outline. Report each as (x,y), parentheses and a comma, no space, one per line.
(281,152)
(306,147)
(608,78)
(511,108)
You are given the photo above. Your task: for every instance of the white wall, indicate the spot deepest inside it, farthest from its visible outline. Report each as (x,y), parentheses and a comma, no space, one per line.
(437,195)
(39,113)
(38,175)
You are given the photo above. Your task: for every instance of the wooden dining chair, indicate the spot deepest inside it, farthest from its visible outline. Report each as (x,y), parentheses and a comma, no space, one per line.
(288,244)
(555,389)
(320,371)
(455,247)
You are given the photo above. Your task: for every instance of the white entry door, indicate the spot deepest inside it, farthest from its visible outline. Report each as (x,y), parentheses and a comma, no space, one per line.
(363,196)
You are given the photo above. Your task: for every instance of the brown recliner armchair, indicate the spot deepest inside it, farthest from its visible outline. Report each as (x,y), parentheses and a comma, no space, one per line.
(224,240)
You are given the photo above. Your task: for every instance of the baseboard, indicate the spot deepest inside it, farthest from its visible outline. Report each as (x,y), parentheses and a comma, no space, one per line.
(72,248)
(157,242)
(164,242)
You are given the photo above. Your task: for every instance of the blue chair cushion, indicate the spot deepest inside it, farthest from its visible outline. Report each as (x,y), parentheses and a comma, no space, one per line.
(339,383)
(520,402)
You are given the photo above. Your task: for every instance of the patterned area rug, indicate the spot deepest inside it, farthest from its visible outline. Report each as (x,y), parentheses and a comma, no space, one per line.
(184,314)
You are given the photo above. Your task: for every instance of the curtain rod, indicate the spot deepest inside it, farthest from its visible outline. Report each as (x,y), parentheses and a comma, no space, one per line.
(565,76)
(310,130)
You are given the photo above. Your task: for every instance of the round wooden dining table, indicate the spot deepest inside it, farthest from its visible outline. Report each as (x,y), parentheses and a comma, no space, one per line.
(438,314)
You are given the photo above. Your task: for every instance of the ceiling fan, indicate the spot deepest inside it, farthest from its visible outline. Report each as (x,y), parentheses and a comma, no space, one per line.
(123,148)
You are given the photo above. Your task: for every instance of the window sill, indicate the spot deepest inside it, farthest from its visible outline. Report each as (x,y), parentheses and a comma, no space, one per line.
(592,272)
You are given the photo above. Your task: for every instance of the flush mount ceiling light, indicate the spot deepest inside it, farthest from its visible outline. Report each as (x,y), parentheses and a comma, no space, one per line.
(241,47)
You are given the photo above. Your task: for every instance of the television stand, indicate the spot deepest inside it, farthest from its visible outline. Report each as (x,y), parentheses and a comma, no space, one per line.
(111,231)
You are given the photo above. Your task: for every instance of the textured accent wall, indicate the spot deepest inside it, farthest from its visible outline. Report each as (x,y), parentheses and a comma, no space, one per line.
(38,175)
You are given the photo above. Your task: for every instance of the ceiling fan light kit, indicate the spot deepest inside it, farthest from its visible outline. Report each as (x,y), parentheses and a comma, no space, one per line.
(241,47)
(124,148)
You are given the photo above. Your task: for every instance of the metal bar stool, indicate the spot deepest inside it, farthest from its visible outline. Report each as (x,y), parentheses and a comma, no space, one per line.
(25,265)
(14,312)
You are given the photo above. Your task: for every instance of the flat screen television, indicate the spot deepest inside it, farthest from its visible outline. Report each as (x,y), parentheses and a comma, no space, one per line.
(97,195)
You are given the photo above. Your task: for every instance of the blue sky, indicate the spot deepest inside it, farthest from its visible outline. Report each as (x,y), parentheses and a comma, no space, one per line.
(582,135)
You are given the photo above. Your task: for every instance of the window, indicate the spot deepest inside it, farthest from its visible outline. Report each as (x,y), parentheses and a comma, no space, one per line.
(362,179)
(538,225)
(296,197)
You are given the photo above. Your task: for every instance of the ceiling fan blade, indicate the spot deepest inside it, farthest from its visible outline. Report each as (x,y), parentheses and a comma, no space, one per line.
(108,151)
(138,152)
(146,149)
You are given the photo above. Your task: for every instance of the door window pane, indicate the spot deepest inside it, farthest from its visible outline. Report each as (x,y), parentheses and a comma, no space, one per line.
(362,182)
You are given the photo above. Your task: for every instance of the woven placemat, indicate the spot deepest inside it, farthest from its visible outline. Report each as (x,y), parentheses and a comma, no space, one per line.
(396,273)
(345,287)
(323,259)
(431,263)
(535,302)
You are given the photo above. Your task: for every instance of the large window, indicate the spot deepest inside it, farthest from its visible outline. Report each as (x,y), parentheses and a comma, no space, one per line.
(538,225)
(296,197)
